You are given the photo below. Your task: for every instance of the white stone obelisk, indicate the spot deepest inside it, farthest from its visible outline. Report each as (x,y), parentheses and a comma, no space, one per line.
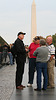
(33,21)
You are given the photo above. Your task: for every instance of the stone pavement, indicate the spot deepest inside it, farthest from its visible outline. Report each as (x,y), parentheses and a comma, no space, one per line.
(9,92)
(7,84)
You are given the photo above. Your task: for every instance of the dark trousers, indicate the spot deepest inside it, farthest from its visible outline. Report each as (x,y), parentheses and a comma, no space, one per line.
(19,73)
(0,58)
(41,68)
(32,66)
(5,53)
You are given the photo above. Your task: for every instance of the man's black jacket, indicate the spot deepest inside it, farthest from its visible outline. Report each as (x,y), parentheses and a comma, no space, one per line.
(20,50)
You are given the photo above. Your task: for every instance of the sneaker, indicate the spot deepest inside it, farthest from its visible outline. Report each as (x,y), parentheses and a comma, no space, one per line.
(29,85)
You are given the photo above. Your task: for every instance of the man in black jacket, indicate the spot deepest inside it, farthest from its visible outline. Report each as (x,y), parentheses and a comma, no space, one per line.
(20,59)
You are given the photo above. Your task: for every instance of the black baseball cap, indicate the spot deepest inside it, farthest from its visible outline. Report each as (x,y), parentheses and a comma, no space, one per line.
(21,33)
(37,38)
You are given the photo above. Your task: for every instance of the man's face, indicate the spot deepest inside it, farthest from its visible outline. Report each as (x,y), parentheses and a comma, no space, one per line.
(21,36)
(49,40)
(37,41)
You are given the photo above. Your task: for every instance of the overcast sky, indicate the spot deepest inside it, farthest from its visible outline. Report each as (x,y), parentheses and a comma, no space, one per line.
(15,16)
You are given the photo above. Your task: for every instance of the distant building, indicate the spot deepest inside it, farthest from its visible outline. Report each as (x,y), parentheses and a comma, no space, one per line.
(2,41)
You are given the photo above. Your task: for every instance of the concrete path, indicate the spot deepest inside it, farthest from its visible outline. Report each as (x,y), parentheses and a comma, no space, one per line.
(9,92)
(29,94)
(7,84)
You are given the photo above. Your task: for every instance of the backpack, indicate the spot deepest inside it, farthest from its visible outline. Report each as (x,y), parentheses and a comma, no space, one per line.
(13,50)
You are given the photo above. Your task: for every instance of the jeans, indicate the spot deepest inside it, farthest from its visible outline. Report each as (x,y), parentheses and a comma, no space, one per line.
(41,68)
(11,58)
(32,66)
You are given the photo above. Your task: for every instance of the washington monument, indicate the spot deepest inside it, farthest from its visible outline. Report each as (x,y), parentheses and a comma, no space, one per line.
(33,21)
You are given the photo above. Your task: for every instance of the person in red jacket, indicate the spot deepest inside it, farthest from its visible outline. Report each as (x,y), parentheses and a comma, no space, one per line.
(32,59)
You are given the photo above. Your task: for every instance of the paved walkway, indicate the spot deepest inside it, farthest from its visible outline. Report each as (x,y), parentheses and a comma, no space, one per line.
(9,92)
(7,84)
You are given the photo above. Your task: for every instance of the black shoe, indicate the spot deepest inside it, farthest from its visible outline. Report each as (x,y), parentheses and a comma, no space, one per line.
(43,89)
(37,89)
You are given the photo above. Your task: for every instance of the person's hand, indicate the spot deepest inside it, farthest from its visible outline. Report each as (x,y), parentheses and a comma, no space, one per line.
(26,50)
(51,57)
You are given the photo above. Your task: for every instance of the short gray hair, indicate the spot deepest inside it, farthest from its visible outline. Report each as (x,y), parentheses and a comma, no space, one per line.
(42,42)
